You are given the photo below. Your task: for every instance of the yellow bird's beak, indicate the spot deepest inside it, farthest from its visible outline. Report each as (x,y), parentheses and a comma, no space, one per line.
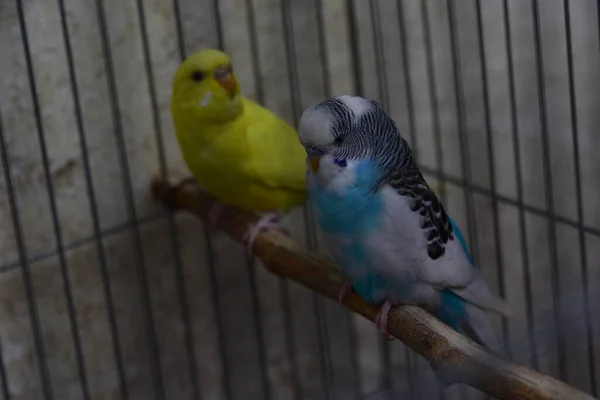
(314,163)
(228,82)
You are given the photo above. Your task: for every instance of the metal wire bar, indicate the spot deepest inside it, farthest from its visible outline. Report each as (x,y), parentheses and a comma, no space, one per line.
(136,238)
(436,173)
(283,284)
(3,377)
(324,346)
(97,236)
(492,164)
(172,229)
(38,339)
(412,133)
(179,30)
(295,93)
(435,115)
(134,223)
(382,84)
(353,36)
(562,355)
(410,108)
(352,339)
(324,349)
(250,20)
(210,255)
(507,200)
(218,26)
(355,60)
(216,301)
(382,79)
(433,99)
(319,307)
(462,136)
(44,255)
(519,185)
(467,363)
(258,327)
(290,345)
(250,261)
(52,204)
(579,199)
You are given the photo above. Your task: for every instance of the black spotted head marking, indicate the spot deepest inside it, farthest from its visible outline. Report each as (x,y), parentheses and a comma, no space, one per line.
(352,127)
(331,121)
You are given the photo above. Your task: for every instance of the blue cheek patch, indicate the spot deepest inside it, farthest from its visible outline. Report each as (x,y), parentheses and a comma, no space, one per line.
(356,211)
(340,162)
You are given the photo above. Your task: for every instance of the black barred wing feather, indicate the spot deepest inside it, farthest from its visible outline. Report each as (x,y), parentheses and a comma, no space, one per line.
(435,223)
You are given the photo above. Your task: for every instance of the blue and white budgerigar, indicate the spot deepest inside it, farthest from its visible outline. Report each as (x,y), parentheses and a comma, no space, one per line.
(384,225)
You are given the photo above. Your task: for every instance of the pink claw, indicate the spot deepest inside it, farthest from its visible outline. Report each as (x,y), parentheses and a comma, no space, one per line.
(344,292)
(216,210)
(268,220)
(382,319)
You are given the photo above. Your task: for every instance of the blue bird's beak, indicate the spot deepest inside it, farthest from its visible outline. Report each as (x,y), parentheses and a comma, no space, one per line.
(314,163)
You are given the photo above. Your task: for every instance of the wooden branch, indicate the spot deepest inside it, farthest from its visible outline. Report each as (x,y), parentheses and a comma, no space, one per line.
(453,357)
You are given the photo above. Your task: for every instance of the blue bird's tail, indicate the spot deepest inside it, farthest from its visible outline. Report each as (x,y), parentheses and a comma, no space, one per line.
(470,320)
(464,309)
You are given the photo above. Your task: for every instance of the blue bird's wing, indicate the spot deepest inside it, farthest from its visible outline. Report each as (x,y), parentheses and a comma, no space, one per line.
(438,244)
(416,211)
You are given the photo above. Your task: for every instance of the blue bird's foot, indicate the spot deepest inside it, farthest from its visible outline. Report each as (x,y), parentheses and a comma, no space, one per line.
(382,319)
(344,292)
(267,221)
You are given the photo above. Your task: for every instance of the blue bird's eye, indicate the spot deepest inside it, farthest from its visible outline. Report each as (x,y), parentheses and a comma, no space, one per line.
(313,151)
(341,162)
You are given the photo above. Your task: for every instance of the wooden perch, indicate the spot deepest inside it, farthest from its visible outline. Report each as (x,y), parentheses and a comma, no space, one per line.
(453,357)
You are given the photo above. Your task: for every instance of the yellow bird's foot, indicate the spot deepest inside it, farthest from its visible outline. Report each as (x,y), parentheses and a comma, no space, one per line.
(267,221)
(382,319)
(190,180)
(344,292)
(215,213)
(177,187)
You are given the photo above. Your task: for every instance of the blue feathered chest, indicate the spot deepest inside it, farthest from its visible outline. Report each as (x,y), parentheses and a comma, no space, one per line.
(355,210)
(347,220)
(348,214)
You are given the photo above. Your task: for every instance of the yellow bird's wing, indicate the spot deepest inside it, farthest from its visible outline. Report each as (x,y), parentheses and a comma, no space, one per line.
(277,159)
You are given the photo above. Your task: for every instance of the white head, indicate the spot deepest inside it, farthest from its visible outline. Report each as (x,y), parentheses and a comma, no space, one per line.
(350,140)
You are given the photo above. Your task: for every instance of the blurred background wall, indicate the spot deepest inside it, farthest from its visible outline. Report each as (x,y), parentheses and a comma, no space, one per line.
(213,331)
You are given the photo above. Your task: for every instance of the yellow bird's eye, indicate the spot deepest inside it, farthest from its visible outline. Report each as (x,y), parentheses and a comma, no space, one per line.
(197,76)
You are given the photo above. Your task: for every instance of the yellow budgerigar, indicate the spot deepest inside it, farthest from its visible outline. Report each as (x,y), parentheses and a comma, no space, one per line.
(238,151)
